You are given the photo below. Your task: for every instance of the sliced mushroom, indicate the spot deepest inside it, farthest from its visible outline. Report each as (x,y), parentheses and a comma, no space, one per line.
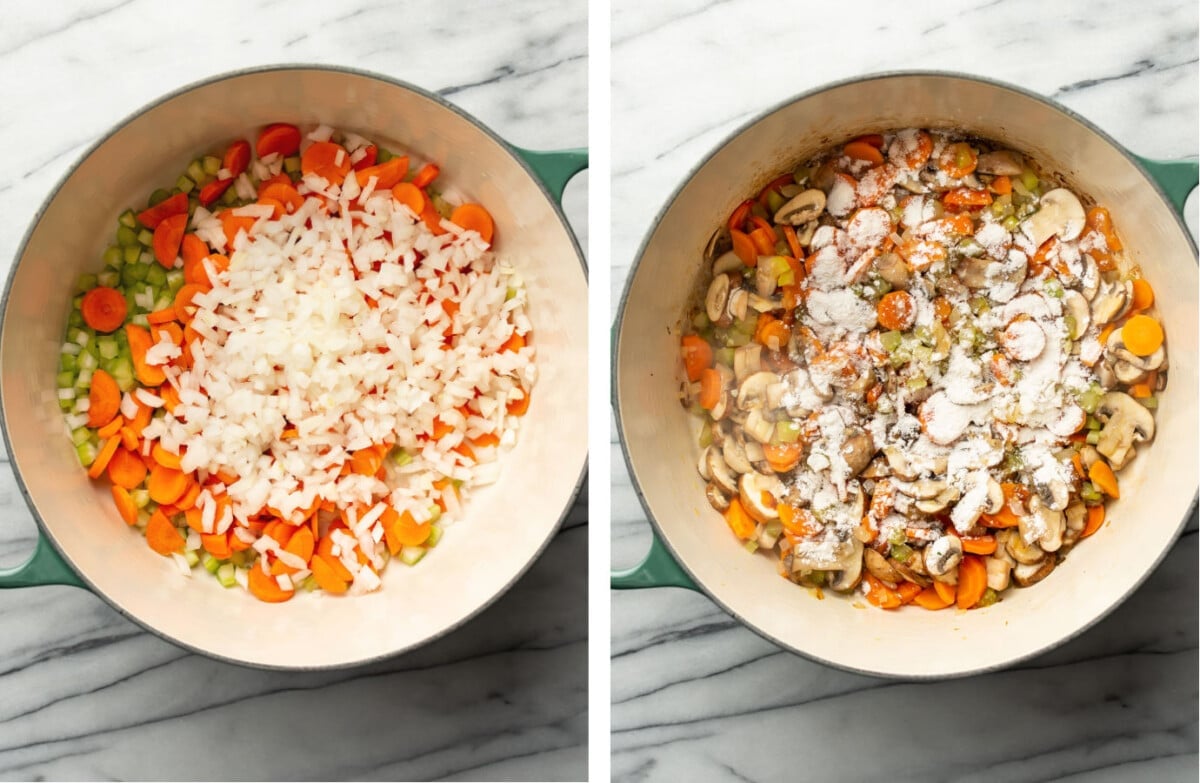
(940,503)
(735,456)
(998,572)
(1000,162)
(925,489)
(1026,574)
(717,298)
(1116,351)
(719,243)
(1104,372)
(721,408)
(908,573)
(857,450)
(995,496)
(973,272)
(1089,280)
(805,206)
(878,468)
(1059,214)
(765,279)
(758,494)
(1110,302)
(1052,523)
(758,426)
(1053,494)
(727,262)
(1076,517)
(702,464)
(752,391)
(716,498)
(747,360)
(719,472)
(899,463)
(1023,551)
(879,567)
(1077,307)
(849,573)
(1126,422)
(891,267)
(763,304)
(804,236)
(739,302)
(942,556)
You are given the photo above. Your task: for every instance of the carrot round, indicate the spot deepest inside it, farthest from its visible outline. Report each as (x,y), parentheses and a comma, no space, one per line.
(782,457)
(979,545)
(743,247)
(168,236)
(403,530)
(104,309)
(301,544)
(110,448)
(327,160)
(237,157)
(265,588)
(861,150)
(972,581)
(140,342)
(879,594)
(184,309)
(278,139)
(211,191)
(474,217)
(737,218)
(279,210)
(369,156)
(175,205)
(126,469)
(1103,477)
(958,160)
(233,225)
(710,388)
(104,399)
(908,592)
(125,505)
(738,520)
(326,577)
(112,428)
(410,196)
(929,598)
(1143,295)
(428,173)
(896,310)
(1002,185)
(162,536)
(967,198)
(947,593)
(387,175)
(365,462)
(518,407)
(216,544)
(1142,334)
(166,485)
(164,457)
(697,355)
(325,551)
(1095,518)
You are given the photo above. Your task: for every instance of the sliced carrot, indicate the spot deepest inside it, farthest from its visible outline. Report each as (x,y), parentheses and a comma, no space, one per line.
(125,505)
(168,237)
(369,157)
(697,355)
(979,545)
(948,593)
(236,157)
(518,407)
(325,550)
(972,581)
(233,225)
(104,399)
(764,242)
(861,150)
(327,160)
(929,598)
(126,469)
(103,309)
(278,139)
(896,310)
(164,457)
(265,588)
(175,205)
(782,457)
(428,173)
(365,462)
(326,577)
(387,175)
(217,545)
(285,193)
(161,316)
(474,217)
(710,388)
(958,160)
(1099,219)
(738,520)
(139,343)
(112,428)
(236,544)
(967,198)
(879,594)
(402,529)
(908,592)
(280,530)
(514,343)
(188,500)
(192,248)
(1143,295)
(129,439)
(184,309)
(1002,185)
(432,219)
(793,242)
(410,196)
(737,218)
(1103,477)
(773,333)
(744,247)
(277,207)
(1106,331)
(104,457)
(166,485)
(162,536)
(1095,518)
(211,191)
(1142,335)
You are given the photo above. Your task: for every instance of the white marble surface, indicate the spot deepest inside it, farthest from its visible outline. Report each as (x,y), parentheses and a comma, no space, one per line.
(696,696)
(85,694)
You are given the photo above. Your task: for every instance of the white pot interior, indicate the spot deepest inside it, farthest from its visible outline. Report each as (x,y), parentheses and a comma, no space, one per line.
(504,527)
(1157,489)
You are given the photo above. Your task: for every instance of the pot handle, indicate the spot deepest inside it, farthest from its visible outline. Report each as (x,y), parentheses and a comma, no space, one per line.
(555,167)
(1177,178)
(657,569)
(45,567)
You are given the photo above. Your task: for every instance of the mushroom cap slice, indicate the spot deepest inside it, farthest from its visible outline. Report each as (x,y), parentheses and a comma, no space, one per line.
(1110,302)
(998,572)
(716,498)
(848,578)
(765,280)
(747,360)
(858,449)
(1026,574)
(1005,162)
(751,490)
(802,208)
(702,464)
(1081,316)
(879,567)
(720,473)
(717,298)
(720,242)
(1126,422)
(752,391)
(911,574)
(727,262)
(758,427)
(721,408)
(942,556)
(735,456)
(739,302)
(1059,214)
(1022,551)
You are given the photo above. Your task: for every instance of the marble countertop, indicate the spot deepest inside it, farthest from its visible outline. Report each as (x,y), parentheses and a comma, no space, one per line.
(84,693)
(696,696)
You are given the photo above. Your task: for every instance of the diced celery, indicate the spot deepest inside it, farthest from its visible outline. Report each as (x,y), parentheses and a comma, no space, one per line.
(751,546)
(159,196)
(435,534)
(1150,402)
(112,256)
(902,552)
(382,155)
(1054,288)
(228,197)
(890,341)
(210,563)
(787,431)
(969,247)
(309,584)
(87,362)
(126,237)
(145,238)
(922,353)
(86,453)
(184,184)
(1089,494)
(131,254)
(774,200)
(700,321)
(141,497)
(140,320)
(989,597)
(156,276)
(225,575)
(191,557)
(917,382)
(128,219)
(1010,223)
(1029,180)
(706,436)
(121,371)
(1069,322)
(65,379)
(107,346)
(137,272)
(435,513)
(211,165)
(66,406)
(1094,424)
(194,172)
(81,436)
(109,278)
(400,457)
(411,555)
(68,362)
(897,537)
(175,279)
(146,257)
(75,318)
(1093,437)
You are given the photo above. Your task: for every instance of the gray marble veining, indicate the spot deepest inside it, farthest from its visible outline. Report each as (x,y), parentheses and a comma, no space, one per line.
(85,693)
(696,696)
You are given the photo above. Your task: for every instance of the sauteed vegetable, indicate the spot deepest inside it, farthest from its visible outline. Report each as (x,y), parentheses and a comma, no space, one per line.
(919,365)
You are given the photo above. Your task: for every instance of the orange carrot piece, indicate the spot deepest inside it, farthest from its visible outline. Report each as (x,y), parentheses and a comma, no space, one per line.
(278,209)
(236,157)
(126,469)
(979,545)
(1002,185)
(285,193)
(168,237)
(188,500)
(518,407)
(104,309)
(1105,480)
(125,505)
(764,242)
(793,242)
(325,550)
(473,217)
(365,462)
(428,173)
(972,581)
(410,196)
(403,530)
(129,439)
(326,577)
(782,457)
(158,317)
(164,457)
(697,355)
(738,520)
(265,588)
(387,175)
(166,485)
(1143,295)
(278,139)
(327,160)
(1095,518)
(879,594)
(908,592)
(896,310)
(175,205)
(930,599)
(184,309)
(107,451)
(737,218)
(710,388)
(211,191)
(743,247)
(947,593)
(217,545)
(485,440)
(232,225)
(236,544)
(140,342)
(112,428)
(1142,335)
(861,150)
(162,536)
(104,399)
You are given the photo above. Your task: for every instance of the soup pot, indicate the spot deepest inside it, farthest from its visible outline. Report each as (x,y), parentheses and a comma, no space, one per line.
(83,541)
(693,547)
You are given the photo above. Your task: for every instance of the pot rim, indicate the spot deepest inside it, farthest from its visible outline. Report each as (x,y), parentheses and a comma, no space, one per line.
(656,528)
(44,528)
